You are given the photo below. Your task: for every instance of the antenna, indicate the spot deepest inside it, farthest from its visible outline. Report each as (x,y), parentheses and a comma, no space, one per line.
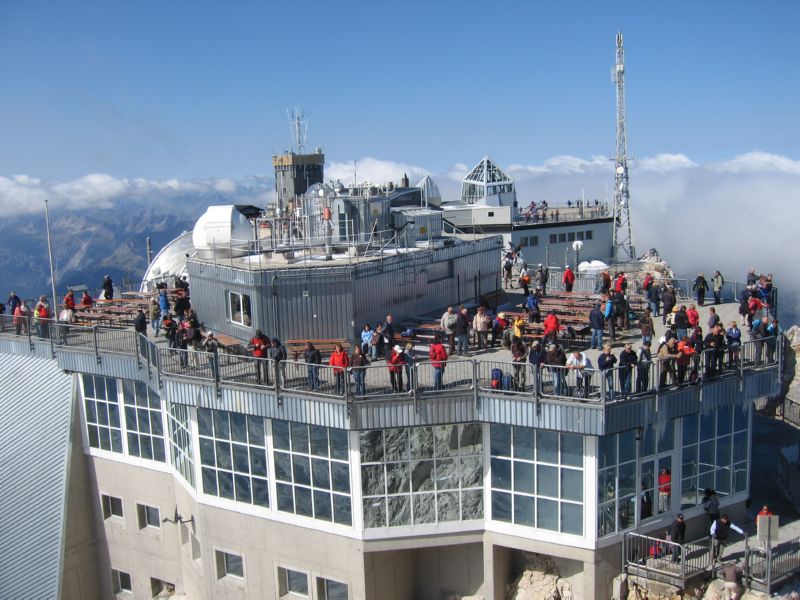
(298,128)
(622,244)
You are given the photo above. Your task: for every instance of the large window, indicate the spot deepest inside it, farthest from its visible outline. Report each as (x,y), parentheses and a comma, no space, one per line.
(292,584)
(616,482)
(229,565)
(331,590)
(537,478)
(180,440)
(312,471)
(239,309)
(103,427)
(143,421)
(233,455)
(422,475)
(715,453)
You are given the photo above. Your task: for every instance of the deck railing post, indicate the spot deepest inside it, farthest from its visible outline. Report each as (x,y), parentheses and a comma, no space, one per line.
(96,346)
(28,329)
(475,382)
(279,366)
(769,568)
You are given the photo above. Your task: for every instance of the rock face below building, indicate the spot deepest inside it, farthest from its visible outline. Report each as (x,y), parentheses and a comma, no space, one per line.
(539,580)
(792,370)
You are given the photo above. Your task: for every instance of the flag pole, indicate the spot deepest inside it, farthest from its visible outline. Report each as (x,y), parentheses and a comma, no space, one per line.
(50,253)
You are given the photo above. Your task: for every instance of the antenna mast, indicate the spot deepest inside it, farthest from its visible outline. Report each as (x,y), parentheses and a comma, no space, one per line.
(623,249)
(298,128)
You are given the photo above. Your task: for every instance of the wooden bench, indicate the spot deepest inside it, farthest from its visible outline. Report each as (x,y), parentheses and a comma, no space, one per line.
(296,347)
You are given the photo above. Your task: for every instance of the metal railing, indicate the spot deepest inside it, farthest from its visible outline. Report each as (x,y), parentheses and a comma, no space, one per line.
(665,560)
(768,565)
(415,379)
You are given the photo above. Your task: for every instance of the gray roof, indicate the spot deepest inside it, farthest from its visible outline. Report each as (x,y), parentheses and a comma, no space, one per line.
(35,413)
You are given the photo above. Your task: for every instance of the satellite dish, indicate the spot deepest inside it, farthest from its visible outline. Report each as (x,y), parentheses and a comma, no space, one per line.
(620,170)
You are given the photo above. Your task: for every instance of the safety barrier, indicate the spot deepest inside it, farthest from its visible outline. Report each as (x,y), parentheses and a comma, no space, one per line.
(664,560)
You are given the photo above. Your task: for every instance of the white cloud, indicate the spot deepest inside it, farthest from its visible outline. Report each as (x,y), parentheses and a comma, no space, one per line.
(758,162)
(373,170)
(663,163)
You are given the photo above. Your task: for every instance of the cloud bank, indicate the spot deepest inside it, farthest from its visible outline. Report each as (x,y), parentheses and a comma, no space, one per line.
(727,215)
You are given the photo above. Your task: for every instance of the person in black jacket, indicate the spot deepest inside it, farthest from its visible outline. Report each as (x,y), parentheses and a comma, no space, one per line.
(677,534)
(606,362)
(108,288)
(627,362)
(700,286)
(668,303)
(715,340)
(597,323)
(681,323)
(313,359)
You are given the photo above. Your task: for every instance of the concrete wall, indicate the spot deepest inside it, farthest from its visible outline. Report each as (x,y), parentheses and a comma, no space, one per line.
(389,575)
(445,570)
(598,248)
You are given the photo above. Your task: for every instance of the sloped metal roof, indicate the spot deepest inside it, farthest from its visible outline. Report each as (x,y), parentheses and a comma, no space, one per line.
(35,413)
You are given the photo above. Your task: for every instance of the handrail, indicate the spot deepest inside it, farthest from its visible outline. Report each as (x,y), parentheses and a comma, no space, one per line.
(645,554)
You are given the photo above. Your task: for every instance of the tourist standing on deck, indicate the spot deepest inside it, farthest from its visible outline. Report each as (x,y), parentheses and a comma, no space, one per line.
(155,316)
(448,325)
(396,362)
(644,361)
(677,534)
(366,338)
(258,347)
(716,285)
(508,265)
(358,366)
(339,361)
(720,531)
(606,362)
(313,360)
(579,362)
(646,326)
(462,332)
(627,363)
(388,334)
(481,325)
(519,356)
(568,279)
(700,286)
(710,504)
(524,279)
(108,288)
(597,323)
(668,303)
(605,282)
(438,356)
(654,298)
(557,360)
(664,490)
(542,275)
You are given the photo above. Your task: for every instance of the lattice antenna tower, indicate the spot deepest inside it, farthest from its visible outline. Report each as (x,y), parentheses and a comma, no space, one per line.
(298,128)
(623,249)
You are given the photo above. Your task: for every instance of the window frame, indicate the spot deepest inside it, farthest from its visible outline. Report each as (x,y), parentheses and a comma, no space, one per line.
(116,582)
(106,501)
(283,583)
(143,516)
(322,587)
(246,316)
(221,565)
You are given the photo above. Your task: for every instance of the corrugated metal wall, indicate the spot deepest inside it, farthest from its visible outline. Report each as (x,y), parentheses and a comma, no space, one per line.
(34,453)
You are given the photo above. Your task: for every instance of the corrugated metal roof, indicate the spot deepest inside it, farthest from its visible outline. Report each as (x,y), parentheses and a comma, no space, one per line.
(35,412)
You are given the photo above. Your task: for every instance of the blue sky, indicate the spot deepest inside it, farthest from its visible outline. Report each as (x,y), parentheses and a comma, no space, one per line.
(189,90)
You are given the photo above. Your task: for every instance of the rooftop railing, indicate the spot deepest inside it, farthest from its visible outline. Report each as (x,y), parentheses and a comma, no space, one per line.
(665,560)
(414,380)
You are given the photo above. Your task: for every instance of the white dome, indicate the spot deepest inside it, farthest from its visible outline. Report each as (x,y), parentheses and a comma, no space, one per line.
(222,232)
(169,263)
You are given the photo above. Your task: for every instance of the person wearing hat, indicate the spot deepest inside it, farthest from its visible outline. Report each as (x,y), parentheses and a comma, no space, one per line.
(720,530)
(536,356)
(396,362)
(568,279)
(498,327)
(677,535)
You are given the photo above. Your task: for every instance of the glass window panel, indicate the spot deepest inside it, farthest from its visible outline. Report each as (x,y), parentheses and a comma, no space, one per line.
(724,420)
(471,471)
(447,504)
(371,446)
(221,428)
(319,473)
(258,462)
(689,466)
(706,480)
(223,455)
(322,505)
(102,414)
(204,422)
(572,518)
(472,505)
(547,479)
(707,426)
(739,448)
(707,461)
(501,506)
(446,474)
(740,418)
(740,477)
(523,443)
(627,446)
(690,430)
(296,582)
(421,442)
(283,467)
(207,452)
(372,483)
(607,445)
(524,478)
(260,492)
(399,511)
(501,473)
(319,441)
(340,473)
(302,502)
(648,474)
(422,475)
(607,484)
(335,590)
(572,450)
(243,488)
(667,439)
(374,512)
(572,485)
(342,512)
(471,438)
(606,518)
(627,479)
(156,425)
(648,447)
(255,430)
(116,441)
(241,462)
(338,438)
(723,486)
(424,508)
(396,444)
(524,510)
(689,492)
(299,437)
(445,439)
(113,416)
(398,478)
(238,427)
(500,440)
(285,497)
(133,443)
(301,469)
(111,389)
(280,435)
(547,513)
(627,512)
(225,482)
(88,386)
(723,451)
(547,446)
(91,411)
(158,449)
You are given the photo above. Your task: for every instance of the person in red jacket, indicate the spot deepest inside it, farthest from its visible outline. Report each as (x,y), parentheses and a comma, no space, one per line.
(693,316)
(551,326)
(397,361)
(568,279)
(69,300)
(664,490)
(339,361)
(438,356)
(258,347)
(86,299)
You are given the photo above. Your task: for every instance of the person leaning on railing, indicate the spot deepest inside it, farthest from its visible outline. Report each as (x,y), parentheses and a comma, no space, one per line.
(358,364)
(438,356)
(667,353)
(313,359)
